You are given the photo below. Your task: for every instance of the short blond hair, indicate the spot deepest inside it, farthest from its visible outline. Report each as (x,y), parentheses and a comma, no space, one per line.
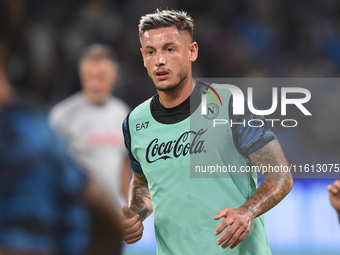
(166,18)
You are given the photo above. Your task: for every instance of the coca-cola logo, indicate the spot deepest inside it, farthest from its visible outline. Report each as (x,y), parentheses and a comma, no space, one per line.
(175,148)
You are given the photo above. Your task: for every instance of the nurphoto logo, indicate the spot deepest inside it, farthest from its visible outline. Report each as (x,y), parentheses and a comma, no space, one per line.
(239,104)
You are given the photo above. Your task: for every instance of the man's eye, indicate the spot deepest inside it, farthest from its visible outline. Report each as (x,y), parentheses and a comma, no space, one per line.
(170,49)
(150,52)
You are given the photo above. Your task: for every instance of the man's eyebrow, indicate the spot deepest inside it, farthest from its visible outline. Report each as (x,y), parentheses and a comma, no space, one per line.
(169,44)
(164,46)
(148,47)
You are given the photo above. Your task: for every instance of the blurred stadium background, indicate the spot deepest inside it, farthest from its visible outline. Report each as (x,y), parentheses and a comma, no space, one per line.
(237,38)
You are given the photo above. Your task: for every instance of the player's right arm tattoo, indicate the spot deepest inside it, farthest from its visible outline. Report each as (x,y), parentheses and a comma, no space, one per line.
(140,198)
(275,186)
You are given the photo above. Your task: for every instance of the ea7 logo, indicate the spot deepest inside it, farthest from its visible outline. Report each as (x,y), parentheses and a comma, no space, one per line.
(142,125)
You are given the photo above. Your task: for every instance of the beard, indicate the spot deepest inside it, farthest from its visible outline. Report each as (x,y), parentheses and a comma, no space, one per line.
(180,78)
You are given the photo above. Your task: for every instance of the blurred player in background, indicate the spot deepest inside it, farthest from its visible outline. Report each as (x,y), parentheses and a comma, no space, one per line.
(45,199)
(334,196)
(89,122)
(41,190)
(162,144)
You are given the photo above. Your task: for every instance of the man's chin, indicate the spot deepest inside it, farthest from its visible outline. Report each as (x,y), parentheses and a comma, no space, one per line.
(166,87)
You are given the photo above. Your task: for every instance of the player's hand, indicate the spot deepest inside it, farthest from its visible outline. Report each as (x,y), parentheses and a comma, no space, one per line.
(334,195)
(132,225)
(239,222)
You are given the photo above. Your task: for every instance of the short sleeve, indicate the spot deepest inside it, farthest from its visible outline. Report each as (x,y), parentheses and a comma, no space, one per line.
(135,165)
(250,136)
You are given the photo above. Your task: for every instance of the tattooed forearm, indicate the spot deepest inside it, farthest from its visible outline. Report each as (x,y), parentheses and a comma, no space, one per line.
(275,186)
(140,198)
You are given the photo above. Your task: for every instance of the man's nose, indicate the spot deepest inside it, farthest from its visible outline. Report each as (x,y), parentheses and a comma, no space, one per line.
(160,59)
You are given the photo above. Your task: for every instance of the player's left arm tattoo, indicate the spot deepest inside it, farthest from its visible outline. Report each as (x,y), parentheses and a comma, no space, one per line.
(275,186)
(140,198)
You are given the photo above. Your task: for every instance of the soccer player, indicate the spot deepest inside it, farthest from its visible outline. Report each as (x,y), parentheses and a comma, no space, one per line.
(334,196)
(166,135)
(90,122)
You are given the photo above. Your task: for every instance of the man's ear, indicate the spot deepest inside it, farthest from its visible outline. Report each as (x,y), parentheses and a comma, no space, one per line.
(141,51)
(193,51)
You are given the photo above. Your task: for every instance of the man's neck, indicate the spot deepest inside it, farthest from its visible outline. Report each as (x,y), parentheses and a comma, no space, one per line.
(92,101)
(170,99)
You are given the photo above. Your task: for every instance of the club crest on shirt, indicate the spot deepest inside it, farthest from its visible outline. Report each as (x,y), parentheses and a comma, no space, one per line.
(212,111)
